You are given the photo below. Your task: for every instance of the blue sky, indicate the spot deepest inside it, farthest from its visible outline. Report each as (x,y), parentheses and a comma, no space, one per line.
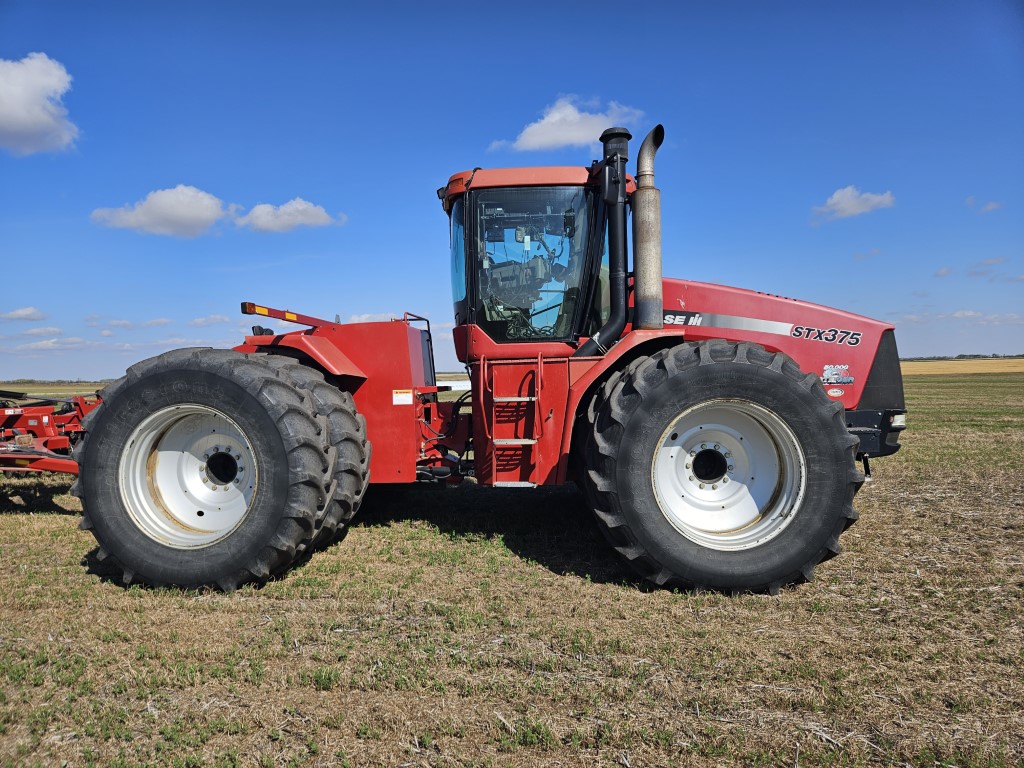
(160,163)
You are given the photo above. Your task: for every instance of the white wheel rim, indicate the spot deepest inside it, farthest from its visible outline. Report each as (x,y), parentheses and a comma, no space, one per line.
(729,474)
(188,476)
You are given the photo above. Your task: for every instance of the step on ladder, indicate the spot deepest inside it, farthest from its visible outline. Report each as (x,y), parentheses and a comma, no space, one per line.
(514,454)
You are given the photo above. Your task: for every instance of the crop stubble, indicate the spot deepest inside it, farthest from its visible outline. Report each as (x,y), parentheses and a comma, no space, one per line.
(495,627)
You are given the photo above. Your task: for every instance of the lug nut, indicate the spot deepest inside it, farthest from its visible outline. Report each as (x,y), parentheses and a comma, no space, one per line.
(730,467)
(687,465)
(714,487)
(703,445)
(717,446)
(691,477)
(702,485)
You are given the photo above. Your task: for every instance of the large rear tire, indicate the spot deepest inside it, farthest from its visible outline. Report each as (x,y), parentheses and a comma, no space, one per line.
(347,431)
(203,468)
(721,466)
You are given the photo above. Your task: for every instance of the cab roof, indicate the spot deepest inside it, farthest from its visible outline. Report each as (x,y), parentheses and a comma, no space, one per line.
(550,176)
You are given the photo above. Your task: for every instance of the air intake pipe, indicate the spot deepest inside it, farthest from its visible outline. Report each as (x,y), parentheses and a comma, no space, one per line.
(648,313)
(613,190)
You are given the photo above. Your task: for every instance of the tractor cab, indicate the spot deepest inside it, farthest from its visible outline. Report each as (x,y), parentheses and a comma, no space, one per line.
(529,254)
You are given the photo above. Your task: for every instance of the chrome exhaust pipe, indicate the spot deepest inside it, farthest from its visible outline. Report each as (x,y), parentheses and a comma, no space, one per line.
(648,313)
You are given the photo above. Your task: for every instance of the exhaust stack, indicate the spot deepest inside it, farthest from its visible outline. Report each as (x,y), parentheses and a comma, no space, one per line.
(647,301)
(613,190)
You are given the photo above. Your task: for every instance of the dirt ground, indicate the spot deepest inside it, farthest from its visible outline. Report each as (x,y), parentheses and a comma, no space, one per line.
(477,627)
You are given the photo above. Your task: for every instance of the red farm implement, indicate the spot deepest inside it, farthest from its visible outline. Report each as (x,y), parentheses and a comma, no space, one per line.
(37,435)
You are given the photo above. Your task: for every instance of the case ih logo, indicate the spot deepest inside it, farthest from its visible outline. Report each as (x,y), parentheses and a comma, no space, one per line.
(682,318)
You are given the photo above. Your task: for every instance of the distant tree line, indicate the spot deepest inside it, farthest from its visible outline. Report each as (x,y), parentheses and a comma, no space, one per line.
(69,382)
(965,357)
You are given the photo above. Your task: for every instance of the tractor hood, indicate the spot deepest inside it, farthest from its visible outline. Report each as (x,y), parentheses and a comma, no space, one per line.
(840,347)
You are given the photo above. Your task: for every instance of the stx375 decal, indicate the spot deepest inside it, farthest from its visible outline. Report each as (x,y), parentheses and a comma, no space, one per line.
(805,332)
(828,335)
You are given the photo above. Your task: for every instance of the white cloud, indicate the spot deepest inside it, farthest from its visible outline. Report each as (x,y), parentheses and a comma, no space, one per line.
(371,317)
(1010,318)
(283,218)
(161,344)
(968,316)
(106,332)
(864,255)
(943,272)
(72,342)
(121,324)
(47,331)
(157,321)
(988,207)
(183,211)
(850,201)
(32,117)
(980,318)
(992,262)
(202,322)
(564,124)
(24,313)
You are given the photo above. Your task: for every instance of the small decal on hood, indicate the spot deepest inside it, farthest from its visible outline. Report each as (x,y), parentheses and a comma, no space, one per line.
(836,392)
(836,373)
(711,320)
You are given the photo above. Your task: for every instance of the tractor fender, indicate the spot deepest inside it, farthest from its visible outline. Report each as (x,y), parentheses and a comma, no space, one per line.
(317,348)
(634,345)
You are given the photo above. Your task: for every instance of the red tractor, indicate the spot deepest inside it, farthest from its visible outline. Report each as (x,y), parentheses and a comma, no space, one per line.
(714,431)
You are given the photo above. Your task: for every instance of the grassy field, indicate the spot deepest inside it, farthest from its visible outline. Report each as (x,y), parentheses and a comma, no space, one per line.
(962,367)
(478,627)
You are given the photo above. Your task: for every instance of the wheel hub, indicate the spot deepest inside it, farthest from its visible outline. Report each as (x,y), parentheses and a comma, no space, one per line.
(728,474)
(710,465)
(188,476)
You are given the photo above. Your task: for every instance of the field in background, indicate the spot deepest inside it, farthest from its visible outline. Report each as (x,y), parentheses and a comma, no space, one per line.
(963,367)
(909,368)
(477,627)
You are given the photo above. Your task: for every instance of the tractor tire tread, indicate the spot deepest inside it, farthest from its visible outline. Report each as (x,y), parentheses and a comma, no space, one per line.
(310,465)
(620,396)
(346,432)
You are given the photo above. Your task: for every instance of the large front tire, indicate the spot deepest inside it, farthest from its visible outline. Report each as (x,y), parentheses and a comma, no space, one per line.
(721,466)
(203,468)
